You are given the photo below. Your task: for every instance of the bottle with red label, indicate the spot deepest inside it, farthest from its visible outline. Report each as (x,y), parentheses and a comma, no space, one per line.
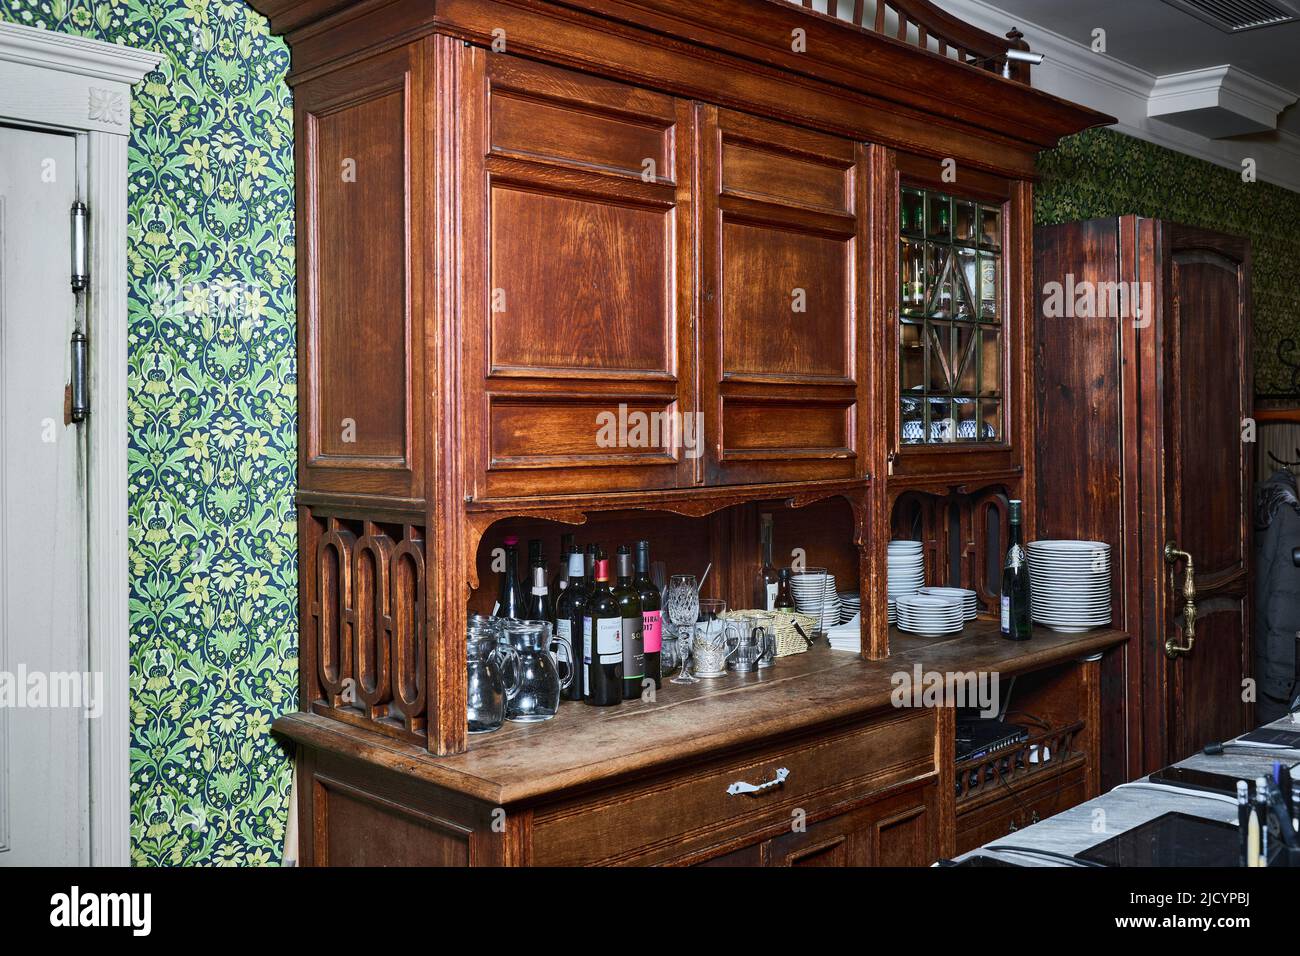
(651,615)
(602,638)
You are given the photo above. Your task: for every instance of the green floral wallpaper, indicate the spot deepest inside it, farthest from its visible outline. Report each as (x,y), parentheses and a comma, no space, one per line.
(213,589)
(1103,173)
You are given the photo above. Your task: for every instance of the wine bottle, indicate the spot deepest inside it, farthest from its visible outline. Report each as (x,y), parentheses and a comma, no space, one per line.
(570,607)
(510,600)
(651,614)
(629,612)
(534,553)
(539,597)
(561,572)
(602,642)
(589,564)
(783,602)
(1016,625)
(765,580)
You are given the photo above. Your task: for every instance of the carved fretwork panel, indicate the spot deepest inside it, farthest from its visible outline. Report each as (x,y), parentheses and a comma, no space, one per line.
(366,624)
(964,537)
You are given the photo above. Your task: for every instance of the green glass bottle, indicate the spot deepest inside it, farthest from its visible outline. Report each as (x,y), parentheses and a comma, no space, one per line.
(1016,623)
(632,624)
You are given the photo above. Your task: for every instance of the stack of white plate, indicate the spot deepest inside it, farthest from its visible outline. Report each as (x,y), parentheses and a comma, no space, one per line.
(1069,584)
(893,610)
(905,568)
(850,605)
(930,615)
(814,593)
(964,595)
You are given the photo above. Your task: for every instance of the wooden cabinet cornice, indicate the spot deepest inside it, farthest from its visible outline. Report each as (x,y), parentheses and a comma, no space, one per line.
(853,82)
(524,222)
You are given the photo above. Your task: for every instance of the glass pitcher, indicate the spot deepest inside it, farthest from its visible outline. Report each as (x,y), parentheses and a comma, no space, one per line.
(490,676)
(537,674)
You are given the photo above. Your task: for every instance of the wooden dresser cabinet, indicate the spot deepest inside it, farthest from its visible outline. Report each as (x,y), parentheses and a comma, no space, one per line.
(635,265)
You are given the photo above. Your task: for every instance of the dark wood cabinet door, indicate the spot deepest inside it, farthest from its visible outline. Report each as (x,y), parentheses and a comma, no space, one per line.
(1209,474)
(899,830)
(780,269)
(578,281)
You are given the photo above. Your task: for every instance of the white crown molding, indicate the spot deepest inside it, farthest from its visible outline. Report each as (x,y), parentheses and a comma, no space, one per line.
(1074,72)
(1233,98)
(75,55)
(69,82)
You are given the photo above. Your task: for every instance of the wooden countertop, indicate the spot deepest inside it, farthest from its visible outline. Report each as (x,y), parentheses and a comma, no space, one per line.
(589,746)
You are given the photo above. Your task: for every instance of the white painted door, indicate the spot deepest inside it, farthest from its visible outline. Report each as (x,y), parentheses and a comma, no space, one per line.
(44,779)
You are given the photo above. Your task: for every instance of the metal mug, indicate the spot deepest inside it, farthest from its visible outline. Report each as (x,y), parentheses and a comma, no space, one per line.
(709,659)
(767,632)
(709,651)
(744,643)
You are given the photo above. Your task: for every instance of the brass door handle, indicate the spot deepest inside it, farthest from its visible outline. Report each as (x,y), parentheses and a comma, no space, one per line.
(1172,557)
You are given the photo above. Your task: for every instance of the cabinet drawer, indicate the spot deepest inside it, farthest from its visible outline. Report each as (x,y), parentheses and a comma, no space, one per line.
(685,811)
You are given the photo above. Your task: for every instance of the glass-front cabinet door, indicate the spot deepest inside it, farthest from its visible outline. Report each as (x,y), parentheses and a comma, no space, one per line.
(952,384)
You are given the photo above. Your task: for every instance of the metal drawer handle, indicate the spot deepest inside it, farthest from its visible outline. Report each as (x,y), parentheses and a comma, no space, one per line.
(754,789)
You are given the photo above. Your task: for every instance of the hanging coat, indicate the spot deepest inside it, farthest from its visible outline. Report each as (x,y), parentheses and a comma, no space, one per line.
(1277,595)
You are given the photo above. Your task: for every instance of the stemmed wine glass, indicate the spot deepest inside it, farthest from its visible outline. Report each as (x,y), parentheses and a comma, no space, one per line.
(683,609)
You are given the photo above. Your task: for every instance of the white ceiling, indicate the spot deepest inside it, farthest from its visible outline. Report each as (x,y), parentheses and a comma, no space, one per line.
(1160,39)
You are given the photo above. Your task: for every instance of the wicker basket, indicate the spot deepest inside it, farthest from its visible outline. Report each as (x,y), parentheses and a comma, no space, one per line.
(788,640)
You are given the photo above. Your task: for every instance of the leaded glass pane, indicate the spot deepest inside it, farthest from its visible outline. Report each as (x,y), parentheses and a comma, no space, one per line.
(951,319)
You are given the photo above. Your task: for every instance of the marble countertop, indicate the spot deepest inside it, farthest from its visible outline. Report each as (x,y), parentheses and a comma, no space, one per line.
(1133,804)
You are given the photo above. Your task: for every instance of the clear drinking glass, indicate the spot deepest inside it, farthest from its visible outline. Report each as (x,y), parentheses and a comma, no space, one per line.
(683,610)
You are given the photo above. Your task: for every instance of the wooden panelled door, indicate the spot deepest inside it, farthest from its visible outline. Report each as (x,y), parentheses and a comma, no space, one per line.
(1208,485)
(779,240)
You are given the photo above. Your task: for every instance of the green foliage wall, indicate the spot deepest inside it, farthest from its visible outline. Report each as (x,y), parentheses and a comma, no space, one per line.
(213,587)
(1101,173)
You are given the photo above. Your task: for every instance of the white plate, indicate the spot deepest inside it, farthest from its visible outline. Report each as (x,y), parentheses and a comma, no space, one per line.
(1067,545)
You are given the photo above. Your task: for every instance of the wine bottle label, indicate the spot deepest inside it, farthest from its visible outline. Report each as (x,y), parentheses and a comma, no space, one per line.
(1006,614)
(771,595)
(633,648)
(652,631)
(607,638)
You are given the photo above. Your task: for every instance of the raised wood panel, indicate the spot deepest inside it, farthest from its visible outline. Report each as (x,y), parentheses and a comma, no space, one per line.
(787,304)
(782,284)
(760,172)
(594,297)
(896,830)
(579,432)
(764,429)
(361,149)
(534,128)
(358,828)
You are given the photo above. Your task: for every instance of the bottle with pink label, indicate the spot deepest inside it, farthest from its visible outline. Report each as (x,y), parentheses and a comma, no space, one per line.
(651,618)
